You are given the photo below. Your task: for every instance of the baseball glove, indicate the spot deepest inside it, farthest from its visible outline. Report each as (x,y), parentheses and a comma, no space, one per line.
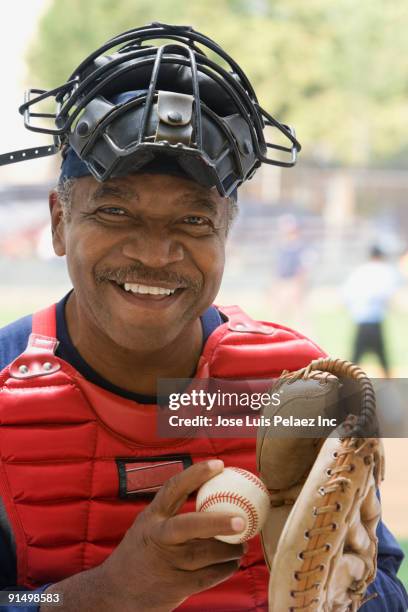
(319,539)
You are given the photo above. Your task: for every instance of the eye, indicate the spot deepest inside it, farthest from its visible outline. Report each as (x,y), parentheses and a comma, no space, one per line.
(196,220)
(112,210)
(196,225)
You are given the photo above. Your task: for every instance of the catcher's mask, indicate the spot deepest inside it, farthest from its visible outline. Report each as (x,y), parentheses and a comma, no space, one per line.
(122,110)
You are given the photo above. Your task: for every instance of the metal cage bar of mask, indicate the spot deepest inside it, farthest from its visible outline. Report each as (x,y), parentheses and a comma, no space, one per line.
(77,92)
(243,104)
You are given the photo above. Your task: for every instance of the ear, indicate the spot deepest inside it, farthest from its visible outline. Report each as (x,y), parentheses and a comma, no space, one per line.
(57,224)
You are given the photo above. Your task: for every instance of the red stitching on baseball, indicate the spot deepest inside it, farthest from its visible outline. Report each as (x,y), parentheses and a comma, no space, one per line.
(241,502)
(252,478)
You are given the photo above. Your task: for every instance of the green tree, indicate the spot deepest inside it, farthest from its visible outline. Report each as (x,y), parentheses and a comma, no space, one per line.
(336,70)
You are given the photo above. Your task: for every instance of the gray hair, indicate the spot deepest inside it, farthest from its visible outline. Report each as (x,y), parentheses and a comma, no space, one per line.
(65,187)
(64,194)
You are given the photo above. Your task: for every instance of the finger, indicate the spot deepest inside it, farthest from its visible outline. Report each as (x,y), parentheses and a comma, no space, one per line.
(199,554)
(175,491)
(192,525)
(209,576)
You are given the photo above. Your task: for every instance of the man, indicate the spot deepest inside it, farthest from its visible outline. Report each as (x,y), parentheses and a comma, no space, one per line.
(367,294)
(144,235)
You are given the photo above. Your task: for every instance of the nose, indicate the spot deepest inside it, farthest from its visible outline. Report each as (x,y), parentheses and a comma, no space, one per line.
(154,249)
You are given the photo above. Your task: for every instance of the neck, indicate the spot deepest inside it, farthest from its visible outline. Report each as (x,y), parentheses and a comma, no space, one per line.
(133,370)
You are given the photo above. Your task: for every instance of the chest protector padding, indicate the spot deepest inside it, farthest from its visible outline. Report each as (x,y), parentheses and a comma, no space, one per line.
(60,436)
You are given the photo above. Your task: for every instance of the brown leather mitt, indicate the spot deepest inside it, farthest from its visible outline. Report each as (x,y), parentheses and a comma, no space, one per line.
(319,539)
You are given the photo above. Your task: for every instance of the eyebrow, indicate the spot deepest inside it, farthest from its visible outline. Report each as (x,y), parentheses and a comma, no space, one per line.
(104,191)
(201,202)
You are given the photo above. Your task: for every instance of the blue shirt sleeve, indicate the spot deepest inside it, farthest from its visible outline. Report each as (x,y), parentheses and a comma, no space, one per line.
(391,594)
(13,340)
(11,608)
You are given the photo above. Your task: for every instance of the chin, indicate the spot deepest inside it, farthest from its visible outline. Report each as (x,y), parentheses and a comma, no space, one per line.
(148,342)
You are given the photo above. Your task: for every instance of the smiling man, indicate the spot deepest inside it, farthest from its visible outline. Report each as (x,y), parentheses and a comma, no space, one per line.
(146,256)
(155,140)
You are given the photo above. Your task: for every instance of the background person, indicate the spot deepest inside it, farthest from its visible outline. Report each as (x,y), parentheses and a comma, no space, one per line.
(367,294)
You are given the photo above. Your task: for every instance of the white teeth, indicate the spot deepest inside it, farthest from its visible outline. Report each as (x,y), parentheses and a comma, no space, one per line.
(144,289)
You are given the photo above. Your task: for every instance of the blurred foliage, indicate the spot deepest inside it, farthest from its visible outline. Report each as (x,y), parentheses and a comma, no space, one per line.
(337,71)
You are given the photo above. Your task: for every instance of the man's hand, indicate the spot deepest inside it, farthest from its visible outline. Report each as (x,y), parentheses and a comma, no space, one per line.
(165,557)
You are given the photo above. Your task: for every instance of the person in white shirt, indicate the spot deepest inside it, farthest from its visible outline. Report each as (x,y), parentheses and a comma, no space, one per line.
(367,294)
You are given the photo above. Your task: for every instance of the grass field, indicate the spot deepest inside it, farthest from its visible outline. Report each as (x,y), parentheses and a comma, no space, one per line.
(329,326)
(334,332)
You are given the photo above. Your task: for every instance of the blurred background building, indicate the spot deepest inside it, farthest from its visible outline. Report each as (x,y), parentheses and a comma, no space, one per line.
(337,72)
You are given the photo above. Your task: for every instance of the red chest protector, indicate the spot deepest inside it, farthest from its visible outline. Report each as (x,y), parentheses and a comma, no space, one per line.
(66,445)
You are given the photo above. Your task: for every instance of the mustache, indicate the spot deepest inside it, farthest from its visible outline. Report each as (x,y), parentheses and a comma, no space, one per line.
(138,272)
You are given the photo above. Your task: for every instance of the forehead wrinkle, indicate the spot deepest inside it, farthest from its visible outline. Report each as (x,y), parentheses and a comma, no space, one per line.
(117,191)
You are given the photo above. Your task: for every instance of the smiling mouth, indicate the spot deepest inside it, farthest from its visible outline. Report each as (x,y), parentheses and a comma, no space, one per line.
(148,292)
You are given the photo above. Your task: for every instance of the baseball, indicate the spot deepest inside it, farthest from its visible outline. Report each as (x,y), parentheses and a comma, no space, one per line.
(239,492)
